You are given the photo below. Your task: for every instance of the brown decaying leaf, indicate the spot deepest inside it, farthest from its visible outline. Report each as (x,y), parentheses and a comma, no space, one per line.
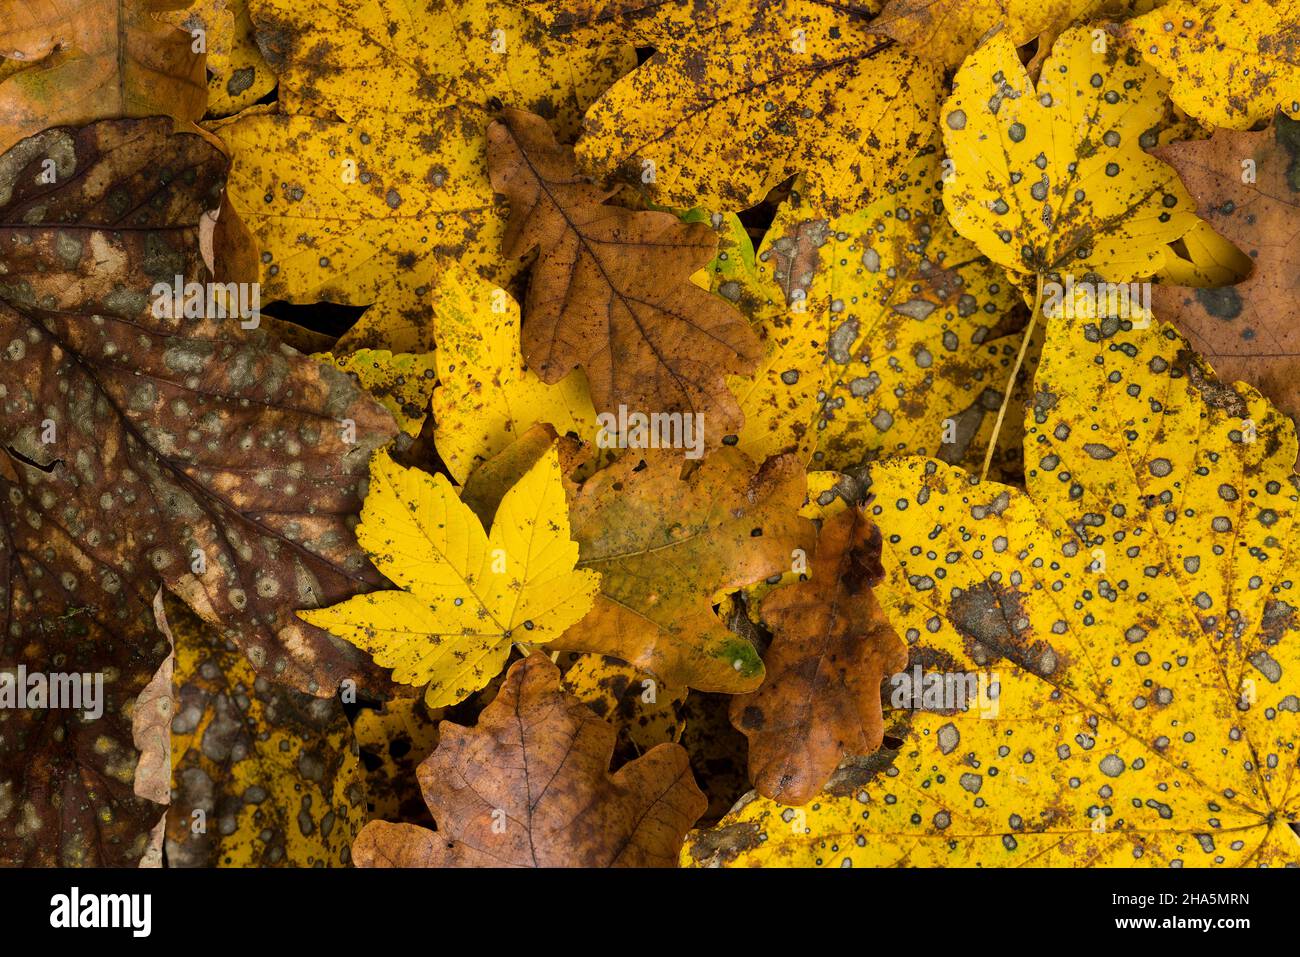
(820,701)
(129,446)
(611,289)
(530,787)
(1249,331)
(93,59)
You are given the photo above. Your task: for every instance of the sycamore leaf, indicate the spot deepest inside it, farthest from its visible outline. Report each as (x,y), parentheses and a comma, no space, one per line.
(530,787)
(884,331)
(238,76)
(740,96)
(1231,62)
(402,383)
(611,290)
(666,541)
(645,711)
(466,595)
(1053,178)
(1251,330)
(139,450)
(1133,615)
(486,397)
(274,772)
(372,175)
(94,59)
(820,701)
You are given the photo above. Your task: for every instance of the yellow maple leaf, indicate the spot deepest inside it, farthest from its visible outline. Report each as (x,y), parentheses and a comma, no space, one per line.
(1133,615)
(486,397)
(466,595)
(372,174)
(740,96)
(1231,62)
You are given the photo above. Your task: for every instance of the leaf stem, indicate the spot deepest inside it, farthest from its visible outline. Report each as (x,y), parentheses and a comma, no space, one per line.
(1011,382)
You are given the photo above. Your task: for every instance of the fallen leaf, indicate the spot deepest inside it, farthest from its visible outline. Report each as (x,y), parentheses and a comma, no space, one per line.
(1052,178)
(372,175)
(820,701)
(1135,611)
(94,59)
(885,332)
(666,543)
(141,450)
(1250,330)
(403,383)
(740,96)
(644,711)
(393,741)
(263,776)
(1231,62)
(238,76)
(949,30)
(486,397)
(464,595)
(610,292)
(530,787)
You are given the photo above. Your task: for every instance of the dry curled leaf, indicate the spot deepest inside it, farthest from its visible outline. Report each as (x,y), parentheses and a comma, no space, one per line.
(138,450)
(530,786)
(611,290)
(820,700)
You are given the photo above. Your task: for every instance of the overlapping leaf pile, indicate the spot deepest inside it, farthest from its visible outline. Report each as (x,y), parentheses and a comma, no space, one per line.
(702,432)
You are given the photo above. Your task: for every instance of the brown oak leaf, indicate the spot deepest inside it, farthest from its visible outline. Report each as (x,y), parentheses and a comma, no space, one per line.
(611,290)
(1247,186)
(530,786)
(138,450)
(832,648)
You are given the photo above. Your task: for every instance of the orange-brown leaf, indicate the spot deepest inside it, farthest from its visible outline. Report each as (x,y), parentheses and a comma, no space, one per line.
(820,702)
(1250,331)
(611,290)
(530,787)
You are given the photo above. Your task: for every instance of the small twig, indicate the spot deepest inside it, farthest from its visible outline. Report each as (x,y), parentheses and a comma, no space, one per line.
(1011,382)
